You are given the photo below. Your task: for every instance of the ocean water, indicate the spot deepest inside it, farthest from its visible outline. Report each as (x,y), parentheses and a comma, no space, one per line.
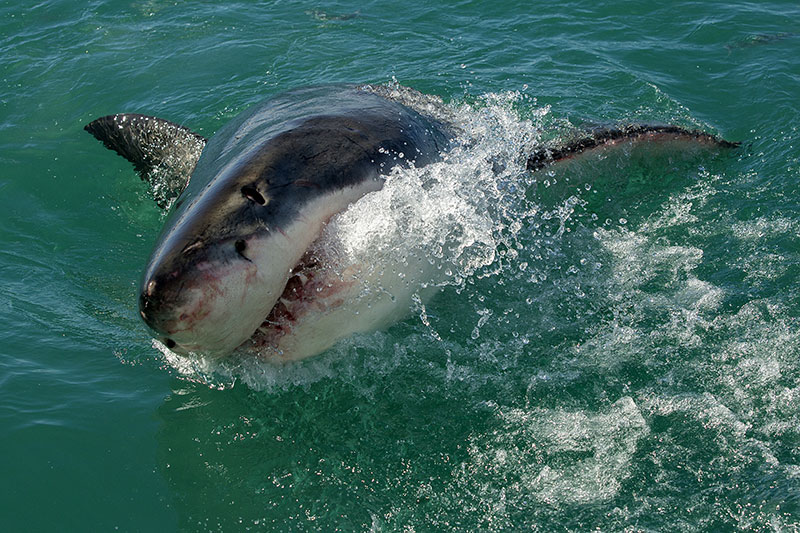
(613,344)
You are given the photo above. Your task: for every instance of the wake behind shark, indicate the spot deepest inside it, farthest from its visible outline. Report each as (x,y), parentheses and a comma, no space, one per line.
(236,266)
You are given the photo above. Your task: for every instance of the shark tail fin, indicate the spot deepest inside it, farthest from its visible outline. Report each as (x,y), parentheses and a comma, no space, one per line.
(634,133)
(162,152)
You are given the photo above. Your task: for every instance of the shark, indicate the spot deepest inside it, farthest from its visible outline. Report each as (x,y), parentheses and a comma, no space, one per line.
(236,267)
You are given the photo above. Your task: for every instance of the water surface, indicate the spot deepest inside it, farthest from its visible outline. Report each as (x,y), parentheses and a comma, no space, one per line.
(625,357)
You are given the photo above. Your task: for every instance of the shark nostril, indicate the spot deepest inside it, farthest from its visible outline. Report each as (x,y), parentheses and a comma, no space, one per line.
(252,194)
(169,343)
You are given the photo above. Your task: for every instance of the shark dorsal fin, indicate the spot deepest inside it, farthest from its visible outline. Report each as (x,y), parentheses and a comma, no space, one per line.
(162,152)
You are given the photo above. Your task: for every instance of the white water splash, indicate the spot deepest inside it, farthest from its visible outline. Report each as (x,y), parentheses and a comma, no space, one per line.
(555,456)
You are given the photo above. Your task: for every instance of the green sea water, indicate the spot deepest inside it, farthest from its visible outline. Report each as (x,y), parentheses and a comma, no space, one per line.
(620,353)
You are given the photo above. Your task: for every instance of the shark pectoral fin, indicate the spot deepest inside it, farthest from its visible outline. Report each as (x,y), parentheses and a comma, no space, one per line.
(162,152)
(624,136)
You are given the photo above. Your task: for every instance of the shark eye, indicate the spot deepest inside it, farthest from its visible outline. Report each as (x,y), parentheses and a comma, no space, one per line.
(252,194)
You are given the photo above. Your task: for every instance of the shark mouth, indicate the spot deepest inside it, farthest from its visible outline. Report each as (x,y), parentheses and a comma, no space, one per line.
(313,287)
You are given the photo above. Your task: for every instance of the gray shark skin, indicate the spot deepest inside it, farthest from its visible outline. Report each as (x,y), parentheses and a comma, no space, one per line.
(234,247)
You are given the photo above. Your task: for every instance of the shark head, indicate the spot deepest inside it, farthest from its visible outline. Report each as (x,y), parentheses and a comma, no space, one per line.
(258,198)
(219,268)
(228,251)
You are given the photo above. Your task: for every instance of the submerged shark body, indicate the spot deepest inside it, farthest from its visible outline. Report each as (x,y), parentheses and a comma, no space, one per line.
(233,267)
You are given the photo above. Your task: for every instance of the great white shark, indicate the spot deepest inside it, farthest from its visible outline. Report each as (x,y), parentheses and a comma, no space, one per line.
(232,266)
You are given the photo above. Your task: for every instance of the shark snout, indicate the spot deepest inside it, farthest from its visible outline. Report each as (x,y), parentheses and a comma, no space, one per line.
(177,311)
(157,306)
(204,299)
